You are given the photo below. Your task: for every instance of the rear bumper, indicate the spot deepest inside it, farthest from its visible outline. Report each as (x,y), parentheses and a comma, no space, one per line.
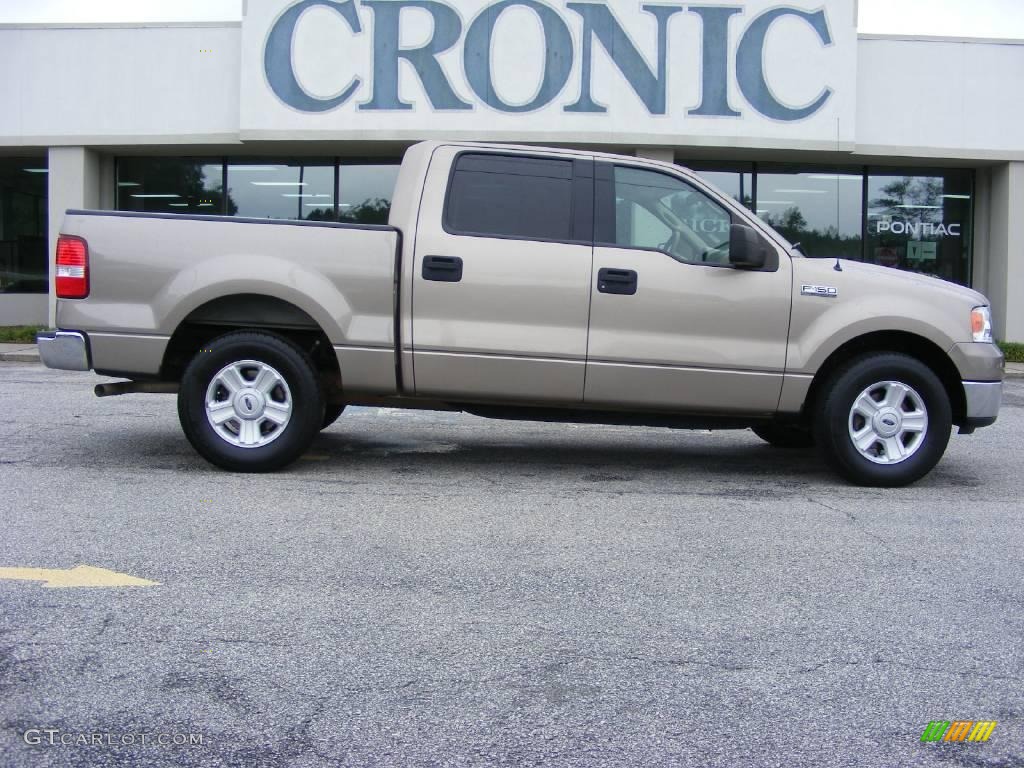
(66,350)
(982,399)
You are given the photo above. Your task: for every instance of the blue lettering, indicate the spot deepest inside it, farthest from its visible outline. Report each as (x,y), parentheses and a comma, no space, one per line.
(277,57)
(714,92)
(750,65)
(599,22)
(387,15)
(557,58)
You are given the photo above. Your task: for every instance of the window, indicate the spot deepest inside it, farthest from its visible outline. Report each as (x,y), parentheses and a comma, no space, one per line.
(822,210)
(171,185)
(23,215)
(314,190)
(653,210)
(920,222)
(365,192)
(521,197)
(273,190)
(734,179)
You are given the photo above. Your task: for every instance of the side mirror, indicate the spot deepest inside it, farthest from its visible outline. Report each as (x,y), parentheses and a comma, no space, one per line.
(746,248)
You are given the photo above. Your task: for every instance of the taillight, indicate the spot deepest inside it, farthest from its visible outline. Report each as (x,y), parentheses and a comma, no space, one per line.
(72,267)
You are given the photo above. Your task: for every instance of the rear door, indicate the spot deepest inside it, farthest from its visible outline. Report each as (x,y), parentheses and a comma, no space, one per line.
(501,284)
(673,326)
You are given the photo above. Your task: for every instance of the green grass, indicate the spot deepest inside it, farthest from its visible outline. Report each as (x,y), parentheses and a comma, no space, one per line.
(1013,351)
(19,334)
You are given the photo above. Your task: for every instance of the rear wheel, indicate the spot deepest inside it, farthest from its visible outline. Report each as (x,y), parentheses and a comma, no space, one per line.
(250,402)
(883,420)
(784,435)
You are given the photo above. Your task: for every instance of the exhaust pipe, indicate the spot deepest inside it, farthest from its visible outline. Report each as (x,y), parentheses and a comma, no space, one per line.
(131,387)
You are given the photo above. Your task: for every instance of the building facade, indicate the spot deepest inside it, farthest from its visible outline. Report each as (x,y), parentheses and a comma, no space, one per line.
(907,152)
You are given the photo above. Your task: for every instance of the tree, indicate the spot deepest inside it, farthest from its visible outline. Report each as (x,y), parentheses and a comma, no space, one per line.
(371,211)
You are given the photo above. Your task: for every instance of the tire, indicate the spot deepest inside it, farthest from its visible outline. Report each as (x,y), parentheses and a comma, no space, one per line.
(250,402)
(331,413)
(788,436)
(902,432)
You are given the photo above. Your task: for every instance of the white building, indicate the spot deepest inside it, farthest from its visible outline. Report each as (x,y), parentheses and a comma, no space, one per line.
(896,150)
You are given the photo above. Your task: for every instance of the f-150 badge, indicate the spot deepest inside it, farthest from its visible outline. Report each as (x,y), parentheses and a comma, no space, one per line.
(825,291)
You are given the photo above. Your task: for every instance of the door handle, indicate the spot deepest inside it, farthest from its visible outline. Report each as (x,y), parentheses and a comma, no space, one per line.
(620,281)
(443,269)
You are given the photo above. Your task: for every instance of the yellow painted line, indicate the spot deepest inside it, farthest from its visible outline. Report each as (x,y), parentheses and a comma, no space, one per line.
(79,576)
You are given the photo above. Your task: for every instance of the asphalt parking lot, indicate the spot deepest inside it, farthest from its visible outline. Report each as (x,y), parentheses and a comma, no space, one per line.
(437,589)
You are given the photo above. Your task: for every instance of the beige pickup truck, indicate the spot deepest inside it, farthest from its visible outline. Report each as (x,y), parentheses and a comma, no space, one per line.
(524,283)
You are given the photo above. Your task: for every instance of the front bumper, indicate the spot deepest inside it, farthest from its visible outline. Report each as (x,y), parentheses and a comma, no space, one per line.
(982,399)
(67,350)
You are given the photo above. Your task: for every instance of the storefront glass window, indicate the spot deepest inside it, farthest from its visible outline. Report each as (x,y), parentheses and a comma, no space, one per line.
(271,190)
(170,185)
(23,212)
(314,190)
(915,219)
(819,209)
(735,179)
(365,191)
(920,222)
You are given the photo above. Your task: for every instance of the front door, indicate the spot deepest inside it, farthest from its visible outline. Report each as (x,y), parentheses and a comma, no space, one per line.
(672,325)
(501,289)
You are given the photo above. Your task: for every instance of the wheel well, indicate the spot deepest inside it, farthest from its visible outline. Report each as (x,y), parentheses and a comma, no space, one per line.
(894,341)
(254,311)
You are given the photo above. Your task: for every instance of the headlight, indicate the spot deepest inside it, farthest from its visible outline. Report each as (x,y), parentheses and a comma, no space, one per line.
(981,323)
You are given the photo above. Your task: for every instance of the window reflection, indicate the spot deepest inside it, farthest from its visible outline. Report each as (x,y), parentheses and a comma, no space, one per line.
(819,209)
(734,179)
(23,216)
(654,210)
(258,188)
(171,185)
(283,190)
(365,191)
(920,222)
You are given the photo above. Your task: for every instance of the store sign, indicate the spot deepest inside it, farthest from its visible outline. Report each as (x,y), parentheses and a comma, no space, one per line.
(917,228)
(754,69)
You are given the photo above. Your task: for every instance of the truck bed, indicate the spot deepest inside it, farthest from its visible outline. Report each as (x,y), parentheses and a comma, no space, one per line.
(151,272)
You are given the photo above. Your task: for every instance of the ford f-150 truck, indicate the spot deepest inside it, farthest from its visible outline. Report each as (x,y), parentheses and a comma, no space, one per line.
(525,283)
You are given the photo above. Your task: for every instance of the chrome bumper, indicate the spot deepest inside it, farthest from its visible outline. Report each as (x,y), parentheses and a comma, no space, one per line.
(983,399)
(67,350)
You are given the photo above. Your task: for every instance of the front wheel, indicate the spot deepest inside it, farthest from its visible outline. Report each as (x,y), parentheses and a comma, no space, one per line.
(883,420)
(250,402)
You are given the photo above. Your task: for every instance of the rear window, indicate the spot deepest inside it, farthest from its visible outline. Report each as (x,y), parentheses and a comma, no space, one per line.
(503,196)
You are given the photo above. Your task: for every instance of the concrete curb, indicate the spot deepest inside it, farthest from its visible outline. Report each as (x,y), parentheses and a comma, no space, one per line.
(19,353)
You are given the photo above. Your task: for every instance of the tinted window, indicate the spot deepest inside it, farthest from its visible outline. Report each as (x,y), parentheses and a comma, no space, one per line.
(23,213)
(820,209)
(524,197)
(356,192)
(290,190)
(921,221)
(171,185)
(365,192)
(653,210)
(735,179)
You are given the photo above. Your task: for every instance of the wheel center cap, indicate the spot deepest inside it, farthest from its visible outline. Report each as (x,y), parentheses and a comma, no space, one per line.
(249,404)
(887,422)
